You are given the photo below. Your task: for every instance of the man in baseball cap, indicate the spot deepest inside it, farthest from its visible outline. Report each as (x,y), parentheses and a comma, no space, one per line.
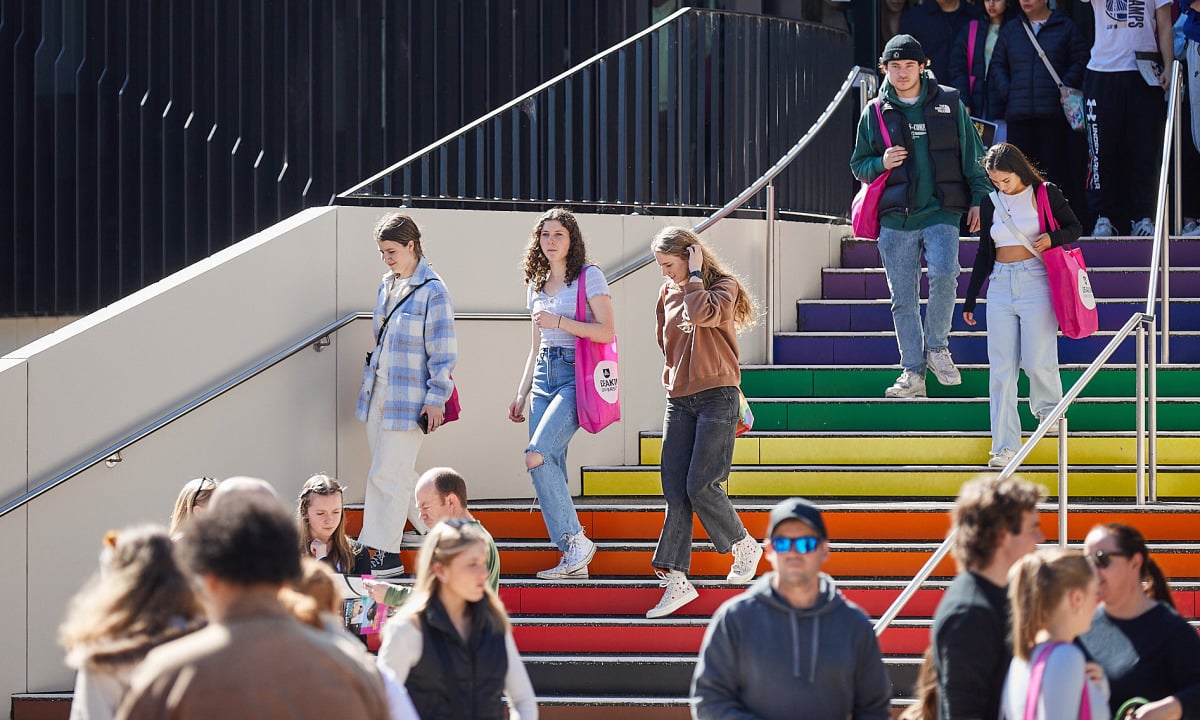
(792,645)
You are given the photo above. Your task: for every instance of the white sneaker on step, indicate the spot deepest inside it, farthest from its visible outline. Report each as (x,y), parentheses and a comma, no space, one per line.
(1143,228)
(574,562)
(1002,458)
(679,592)
(1103,228)
(1191,229)
(746,554)
(909,385)
(1052,431)
(942,366)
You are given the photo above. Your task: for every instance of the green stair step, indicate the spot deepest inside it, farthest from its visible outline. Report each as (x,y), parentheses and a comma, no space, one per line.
(964,414)
(765,381)
(950,448)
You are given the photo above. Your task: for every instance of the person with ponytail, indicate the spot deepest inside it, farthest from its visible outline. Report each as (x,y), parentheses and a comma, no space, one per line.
(1053,594)
(1146,649)
(701,309)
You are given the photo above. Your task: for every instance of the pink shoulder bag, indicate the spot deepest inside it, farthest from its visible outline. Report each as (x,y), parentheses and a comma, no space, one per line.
(864,209)
(597,391)
(1070,286)
(1036,670)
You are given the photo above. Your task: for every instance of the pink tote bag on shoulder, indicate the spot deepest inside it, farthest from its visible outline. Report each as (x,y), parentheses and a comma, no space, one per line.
(597,389)
(864,208)
(1070,286)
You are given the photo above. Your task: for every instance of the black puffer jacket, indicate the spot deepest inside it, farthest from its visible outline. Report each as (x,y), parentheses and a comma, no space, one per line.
(1019,86)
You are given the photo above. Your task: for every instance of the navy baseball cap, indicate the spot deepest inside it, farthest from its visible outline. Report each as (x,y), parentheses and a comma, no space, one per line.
(797,509)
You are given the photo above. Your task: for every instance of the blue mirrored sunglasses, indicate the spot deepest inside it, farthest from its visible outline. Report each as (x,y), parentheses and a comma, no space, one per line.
(803,545)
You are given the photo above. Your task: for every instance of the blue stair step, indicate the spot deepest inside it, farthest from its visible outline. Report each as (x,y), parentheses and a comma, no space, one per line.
(879,348)
(1106,252)
(876,315)
(1111,282)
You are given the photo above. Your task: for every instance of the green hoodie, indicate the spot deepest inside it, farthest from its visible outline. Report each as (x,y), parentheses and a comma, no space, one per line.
(926,210)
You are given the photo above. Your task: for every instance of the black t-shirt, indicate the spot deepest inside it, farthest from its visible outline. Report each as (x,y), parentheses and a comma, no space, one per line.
(971,650)
(1154,655)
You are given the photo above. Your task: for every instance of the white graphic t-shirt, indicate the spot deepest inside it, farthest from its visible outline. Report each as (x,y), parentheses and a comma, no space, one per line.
(1123,27)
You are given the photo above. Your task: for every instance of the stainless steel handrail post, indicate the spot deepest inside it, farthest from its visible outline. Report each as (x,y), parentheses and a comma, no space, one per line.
(1140,414)
(1177,144)
(770,289)
(911,589)
(1152,440)
(1062,481)
(1161,252)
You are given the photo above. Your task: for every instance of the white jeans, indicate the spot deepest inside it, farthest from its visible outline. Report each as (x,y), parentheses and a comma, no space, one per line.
(390,482)
(1022,334)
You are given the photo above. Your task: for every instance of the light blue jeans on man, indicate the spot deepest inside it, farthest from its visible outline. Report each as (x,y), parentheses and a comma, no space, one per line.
(901,253)
(553,421)
(1022,334)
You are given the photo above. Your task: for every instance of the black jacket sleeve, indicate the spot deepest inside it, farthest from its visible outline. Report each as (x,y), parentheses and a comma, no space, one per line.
(985,256)
(998,77)
(959,77)
(1069,227)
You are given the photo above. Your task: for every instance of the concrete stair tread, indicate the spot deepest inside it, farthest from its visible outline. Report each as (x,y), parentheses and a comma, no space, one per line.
(953,333)
(879,468)
(917,434)
(968,270)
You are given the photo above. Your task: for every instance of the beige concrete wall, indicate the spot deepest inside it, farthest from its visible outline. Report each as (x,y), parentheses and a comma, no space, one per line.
(17,332)
(103,376)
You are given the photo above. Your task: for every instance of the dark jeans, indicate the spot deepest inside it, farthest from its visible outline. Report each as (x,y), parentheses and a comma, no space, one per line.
(697,450)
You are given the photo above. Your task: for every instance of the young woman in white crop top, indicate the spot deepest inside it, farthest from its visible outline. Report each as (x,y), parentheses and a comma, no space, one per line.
(1022,330)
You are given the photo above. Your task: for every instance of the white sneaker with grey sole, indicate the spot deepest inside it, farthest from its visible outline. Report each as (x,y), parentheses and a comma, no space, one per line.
(746,554)
(909,385)
(679,592)
(942,366)
(1002,458)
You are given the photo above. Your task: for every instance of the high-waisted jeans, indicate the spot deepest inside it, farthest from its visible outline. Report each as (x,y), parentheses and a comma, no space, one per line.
(1022,334)
(553,421)
(697,450)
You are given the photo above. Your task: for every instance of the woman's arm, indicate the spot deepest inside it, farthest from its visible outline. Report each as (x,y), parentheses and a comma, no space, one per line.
(601,331)
(401,648)
(985,260)
(710,306)
(521,698)
(1166,42)
(441,353)
(1069,228)
(516,409)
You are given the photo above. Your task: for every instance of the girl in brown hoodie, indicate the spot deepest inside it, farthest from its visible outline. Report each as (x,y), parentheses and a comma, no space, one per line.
(701,308)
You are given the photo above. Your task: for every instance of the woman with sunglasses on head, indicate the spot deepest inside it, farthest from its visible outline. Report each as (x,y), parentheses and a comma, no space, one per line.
(1052,593)
(1022,331)
(1146,649)
(555,261)
(701,309)
(322,527)
(451,644)
(406,385)
(193,498)
(139,600)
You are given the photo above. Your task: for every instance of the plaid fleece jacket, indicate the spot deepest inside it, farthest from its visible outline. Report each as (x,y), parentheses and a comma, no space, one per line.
(422,347)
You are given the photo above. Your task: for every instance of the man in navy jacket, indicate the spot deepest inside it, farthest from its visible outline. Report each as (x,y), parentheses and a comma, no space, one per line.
(935,24)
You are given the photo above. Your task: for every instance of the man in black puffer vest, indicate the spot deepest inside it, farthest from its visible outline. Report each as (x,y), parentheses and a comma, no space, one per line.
(934,158)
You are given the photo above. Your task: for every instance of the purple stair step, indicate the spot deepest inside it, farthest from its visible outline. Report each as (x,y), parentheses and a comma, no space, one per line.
(851,284)
(880,349)
(1107,252)
(876,316)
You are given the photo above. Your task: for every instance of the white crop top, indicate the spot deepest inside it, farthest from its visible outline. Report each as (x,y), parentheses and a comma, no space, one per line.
(1024,215)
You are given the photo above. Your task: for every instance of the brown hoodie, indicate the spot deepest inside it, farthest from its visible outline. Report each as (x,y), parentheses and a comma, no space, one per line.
(705,354)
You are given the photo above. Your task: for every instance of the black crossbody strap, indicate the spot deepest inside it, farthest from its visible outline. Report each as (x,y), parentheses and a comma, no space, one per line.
(386,320)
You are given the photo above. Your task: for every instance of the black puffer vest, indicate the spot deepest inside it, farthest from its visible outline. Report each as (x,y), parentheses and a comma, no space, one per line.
(455,680)
(941,125)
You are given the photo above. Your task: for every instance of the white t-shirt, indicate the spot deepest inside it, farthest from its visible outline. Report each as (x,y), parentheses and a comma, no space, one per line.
(1123,27)
(1062,687)
(1023,212)
(564,304)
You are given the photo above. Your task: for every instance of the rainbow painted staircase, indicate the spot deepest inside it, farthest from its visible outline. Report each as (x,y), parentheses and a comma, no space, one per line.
(885,471)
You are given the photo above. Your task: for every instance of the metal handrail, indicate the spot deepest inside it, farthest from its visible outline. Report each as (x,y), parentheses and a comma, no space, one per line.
(516,101)
(315,340)
(1138,323)
(858,74)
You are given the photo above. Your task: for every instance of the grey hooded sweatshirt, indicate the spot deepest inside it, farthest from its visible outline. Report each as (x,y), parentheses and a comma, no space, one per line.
(763,658)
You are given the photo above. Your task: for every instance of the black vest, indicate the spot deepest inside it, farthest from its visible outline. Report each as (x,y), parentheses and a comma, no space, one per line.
(454,680)
(941,126)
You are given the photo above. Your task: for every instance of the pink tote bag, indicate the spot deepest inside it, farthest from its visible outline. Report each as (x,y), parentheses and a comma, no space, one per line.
(597,390)
(1070,286)
(864,208)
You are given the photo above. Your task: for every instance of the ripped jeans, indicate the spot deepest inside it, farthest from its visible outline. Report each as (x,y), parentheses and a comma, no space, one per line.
(553,421)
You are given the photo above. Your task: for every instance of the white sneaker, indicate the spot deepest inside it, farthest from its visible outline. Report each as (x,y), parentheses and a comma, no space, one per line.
(908,385)
(942,365)
(679,592)
(574,562)
(1002,458)
(1191,229)
(746,554)
(412,537)
(1052,431)
(1103,228)
(1143,228)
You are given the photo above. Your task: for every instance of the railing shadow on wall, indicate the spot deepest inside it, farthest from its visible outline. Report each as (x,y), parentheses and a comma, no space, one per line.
(682,115)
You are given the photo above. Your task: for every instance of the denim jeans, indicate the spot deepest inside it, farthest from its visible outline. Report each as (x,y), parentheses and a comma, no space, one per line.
(901,254)
(697,450)
(553,421)
(1022,335)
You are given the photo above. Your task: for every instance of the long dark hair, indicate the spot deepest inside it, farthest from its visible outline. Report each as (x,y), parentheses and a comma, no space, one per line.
(535,264)
(1004,157)
(1130,541)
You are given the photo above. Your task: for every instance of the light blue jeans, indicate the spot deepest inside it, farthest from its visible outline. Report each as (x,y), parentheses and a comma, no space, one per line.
(553,421)
(901,253)
(1022,335)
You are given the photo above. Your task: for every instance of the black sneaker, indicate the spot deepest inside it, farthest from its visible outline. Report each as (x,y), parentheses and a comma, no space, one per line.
(386,564)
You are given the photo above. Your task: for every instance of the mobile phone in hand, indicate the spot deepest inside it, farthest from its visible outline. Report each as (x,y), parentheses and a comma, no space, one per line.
(423,423)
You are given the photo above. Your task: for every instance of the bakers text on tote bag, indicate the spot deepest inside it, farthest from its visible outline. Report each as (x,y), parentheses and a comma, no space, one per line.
(864,208)
(597,389)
